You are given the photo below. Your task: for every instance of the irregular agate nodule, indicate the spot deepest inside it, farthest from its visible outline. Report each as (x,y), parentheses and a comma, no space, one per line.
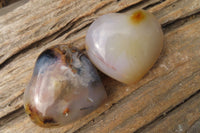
(64,87)
(125,45)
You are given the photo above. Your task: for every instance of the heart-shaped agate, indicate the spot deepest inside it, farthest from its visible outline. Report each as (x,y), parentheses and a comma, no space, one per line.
(125,45)
(64,87)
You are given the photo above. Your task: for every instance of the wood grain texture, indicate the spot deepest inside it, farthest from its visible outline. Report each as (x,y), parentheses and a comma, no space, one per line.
(35,25)
(4,3)
(180,119)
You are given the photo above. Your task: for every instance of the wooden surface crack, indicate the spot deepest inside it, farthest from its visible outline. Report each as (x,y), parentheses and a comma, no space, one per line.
(179,22)
(154,4)
(170,110)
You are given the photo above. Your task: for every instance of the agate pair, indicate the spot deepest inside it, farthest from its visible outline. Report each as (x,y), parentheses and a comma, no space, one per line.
(65,85)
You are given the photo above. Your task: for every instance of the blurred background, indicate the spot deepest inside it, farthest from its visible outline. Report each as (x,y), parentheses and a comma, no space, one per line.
(4,3)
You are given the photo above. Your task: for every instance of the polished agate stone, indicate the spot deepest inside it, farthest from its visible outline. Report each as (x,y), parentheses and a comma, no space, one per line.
(64,87)
(125,45)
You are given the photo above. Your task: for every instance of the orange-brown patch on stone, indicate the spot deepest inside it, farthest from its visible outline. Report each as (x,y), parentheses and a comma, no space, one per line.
(38,119)
(60,53)
(137,17)
(66,111)
(74,70)
(48,120)
(34,115)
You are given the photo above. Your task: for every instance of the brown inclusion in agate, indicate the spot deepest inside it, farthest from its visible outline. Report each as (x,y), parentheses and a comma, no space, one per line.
(64,87)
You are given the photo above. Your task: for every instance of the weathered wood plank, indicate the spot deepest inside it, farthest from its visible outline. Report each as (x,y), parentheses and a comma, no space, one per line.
(66,22)
(12,7)
(180,120)
(195,128)
(4,3)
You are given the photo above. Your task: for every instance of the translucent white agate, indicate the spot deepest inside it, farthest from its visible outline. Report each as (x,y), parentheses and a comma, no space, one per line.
(125,46)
